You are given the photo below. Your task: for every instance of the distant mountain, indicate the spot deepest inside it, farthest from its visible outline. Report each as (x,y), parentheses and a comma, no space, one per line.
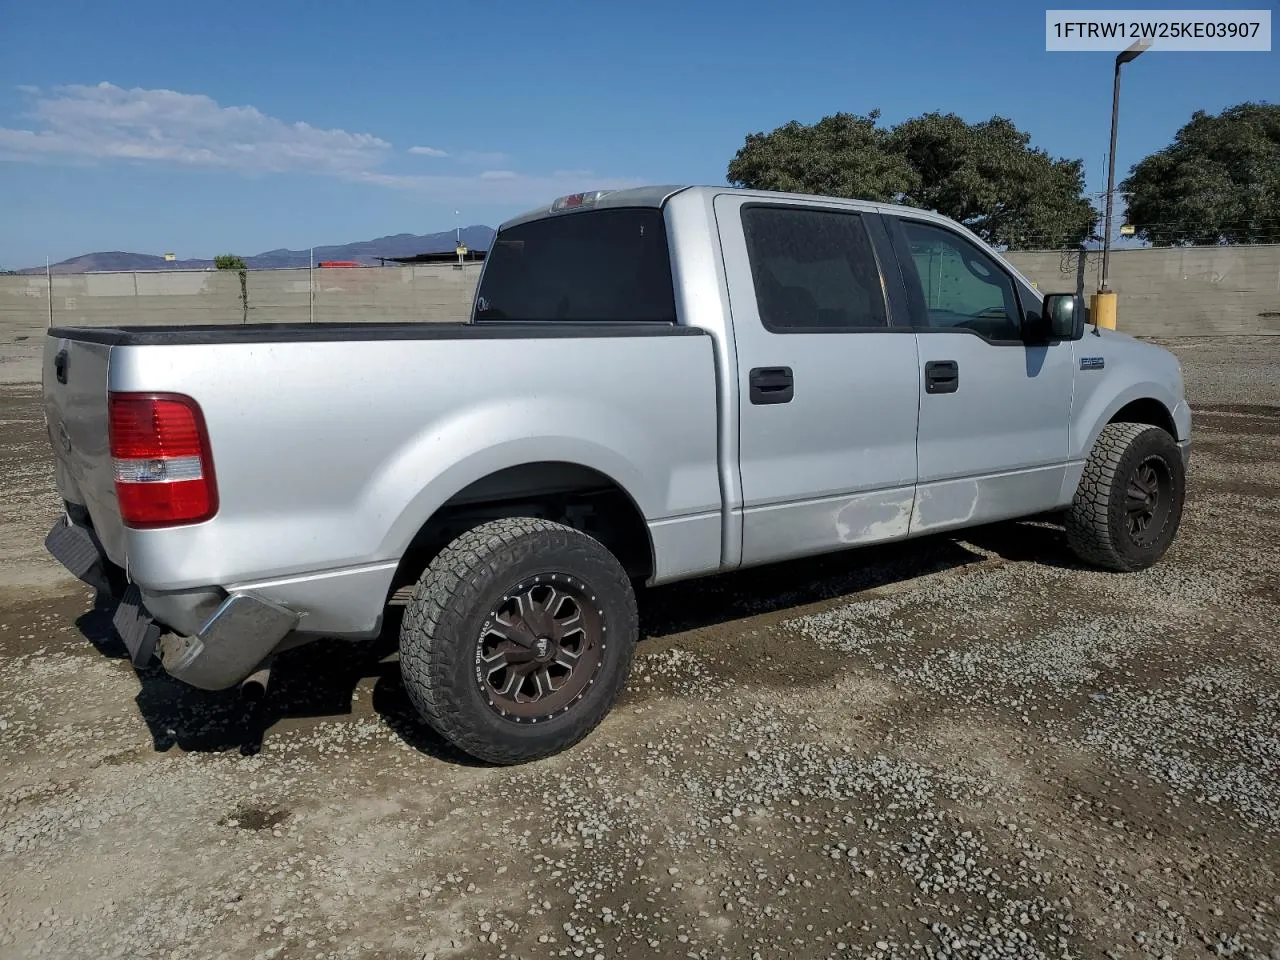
(114,260)
(364,251)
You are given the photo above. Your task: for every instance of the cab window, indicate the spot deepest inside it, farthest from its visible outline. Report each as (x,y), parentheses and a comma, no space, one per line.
(963,287)
(814,270)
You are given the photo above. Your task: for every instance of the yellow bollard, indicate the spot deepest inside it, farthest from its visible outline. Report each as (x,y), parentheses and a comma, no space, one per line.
(1102,309)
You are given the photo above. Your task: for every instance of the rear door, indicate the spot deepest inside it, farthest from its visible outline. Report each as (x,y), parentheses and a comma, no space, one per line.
(994,411)
(828,388)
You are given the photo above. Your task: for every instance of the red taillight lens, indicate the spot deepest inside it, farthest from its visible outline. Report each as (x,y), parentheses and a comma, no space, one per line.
(160,455)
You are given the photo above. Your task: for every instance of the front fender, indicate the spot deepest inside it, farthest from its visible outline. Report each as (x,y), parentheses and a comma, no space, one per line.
(1182,421)
(1103,405)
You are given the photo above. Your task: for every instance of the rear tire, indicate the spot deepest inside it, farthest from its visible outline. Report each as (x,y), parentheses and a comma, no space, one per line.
(518,639)
(1128,505)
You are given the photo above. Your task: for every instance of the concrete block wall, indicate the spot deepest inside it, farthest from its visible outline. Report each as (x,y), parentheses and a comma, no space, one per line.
(427,292)
(430,292)
(1192,291)
(1172,291)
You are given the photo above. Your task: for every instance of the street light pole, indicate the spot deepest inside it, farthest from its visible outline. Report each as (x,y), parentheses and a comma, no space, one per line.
(1123,57)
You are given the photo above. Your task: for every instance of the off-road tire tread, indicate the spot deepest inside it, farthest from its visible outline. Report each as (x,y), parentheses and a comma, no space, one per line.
(1089,531)
(448,591)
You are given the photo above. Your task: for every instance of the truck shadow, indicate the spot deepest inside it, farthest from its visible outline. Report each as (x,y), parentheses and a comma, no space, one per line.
(328,678)
(323,680)
(760,591)
(1042,541)
(317,681)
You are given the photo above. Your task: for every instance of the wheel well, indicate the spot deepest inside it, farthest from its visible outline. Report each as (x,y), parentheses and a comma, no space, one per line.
(563,492)
(1148,411)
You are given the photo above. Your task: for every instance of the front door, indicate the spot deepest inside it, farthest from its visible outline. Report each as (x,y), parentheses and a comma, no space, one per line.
(994,411)
(828,389)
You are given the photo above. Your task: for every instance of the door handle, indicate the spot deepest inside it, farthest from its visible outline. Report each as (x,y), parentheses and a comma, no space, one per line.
(941,376)
(771,385)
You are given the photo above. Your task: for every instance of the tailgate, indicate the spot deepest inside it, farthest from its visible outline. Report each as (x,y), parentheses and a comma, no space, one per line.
(74,378)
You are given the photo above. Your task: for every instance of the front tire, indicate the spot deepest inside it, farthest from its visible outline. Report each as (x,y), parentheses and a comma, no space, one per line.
(518,639)
(1129,502)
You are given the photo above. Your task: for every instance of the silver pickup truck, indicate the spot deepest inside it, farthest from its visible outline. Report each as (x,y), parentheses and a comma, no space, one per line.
(655,384)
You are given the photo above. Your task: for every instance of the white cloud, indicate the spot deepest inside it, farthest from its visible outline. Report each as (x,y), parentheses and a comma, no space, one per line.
(85,124)
(109,122)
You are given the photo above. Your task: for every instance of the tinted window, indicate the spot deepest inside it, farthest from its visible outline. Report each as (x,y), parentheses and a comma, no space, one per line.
(963,287)
(813,270)
(599,265)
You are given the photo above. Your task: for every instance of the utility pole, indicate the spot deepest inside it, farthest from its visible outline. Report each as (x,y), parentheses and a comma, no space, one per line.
(1104,305)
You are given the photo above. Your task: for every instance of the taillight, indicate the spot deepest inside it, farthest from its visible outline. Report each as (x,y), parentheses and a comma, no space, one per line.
(160,455)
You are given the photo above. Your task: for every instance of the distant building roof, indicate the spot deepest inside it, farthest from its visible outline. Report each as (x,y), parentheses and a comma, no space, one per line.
(445,256)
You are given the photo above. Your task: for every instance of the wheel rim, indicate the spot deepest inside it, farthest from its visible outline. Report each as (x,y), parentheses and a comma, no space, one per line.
(540,648)
(1148,500)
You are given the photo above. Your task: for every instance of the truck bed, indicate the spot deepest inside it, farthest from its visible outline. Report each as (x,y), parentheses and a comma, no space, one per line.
(229,333)
(332,444)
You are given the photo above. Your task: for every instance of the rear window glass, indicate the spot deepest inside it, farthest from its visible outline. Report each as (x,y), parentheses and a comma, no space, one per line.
(814,270)
(595,266)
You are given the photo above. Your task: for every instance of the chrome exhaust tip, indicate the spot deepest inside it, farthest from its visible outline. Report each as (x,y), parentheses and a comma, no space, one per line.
(253,688)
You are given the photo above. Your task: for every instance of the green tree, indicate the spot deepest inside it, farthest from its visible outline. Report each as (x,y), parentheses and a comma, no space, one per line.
(984,175)
(1218,182)
(843,155)
(988,177)
(229,261)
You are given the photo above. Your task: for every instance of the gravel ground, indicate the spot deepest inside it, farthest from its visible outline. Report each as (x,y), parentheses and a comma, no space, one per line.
(969,748)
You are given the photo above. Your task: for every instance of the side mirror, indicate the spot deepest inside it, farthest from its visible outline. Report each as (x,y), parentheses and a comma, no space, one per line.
(1064,315)
(1035,328)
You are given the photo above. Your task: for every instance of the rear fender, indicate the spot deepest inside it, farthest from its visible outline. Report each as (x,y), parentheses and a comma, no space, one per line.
(480,441)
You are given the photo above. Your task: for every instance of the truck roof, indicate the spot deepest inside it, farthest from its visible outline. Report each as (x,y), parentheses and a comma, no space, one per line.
(658,194)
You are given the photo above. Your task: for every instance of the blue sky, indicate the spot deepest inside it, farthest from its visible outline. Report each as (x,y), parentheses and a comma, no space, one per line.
(178,127)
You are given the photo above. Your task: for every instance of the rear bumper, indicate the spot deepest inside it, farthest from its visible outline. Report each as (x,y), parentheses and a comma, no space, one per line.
(228,646)
(239,636)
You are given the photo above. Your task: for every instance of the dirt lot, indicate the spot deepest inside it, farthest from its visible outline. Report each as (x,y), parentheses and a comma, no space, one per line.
(950,748)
